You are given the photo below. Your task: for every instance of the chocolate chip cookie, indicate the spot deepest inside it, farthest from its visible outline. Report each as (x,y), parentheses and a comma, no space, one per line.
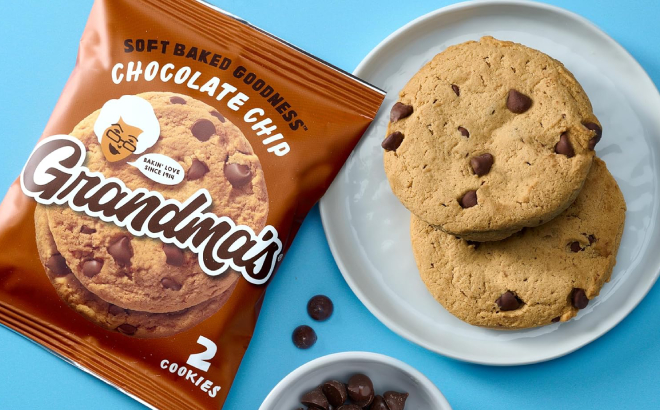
(143,274)
(490,137)
(109,316)
(537,276)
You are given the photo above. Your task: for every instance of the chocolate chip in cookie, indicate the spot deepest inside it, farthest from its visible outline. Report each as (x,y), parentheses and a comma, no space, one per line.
(579,298)
(173,255)
(121,251)
(456,89)
(57,265)
(400,111)
(596,138)
(481,164)
(564,146)
(177,100)
(203,129)
(508,301)
(197,170)
(518,102)
(393,141)
(92,267)
(219,116)
(468,200)
(171,284)
(237,174)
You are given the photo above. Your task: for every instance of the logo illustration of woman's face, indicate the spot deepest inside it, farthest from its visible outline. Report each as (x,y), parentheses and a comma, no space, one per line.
(119,141)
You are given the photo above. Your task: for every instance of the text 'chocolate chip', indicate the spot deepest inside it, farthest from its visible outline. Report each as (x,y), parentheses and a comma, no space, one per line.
(481,164)
(518,102)
(393,141)
(508,301)
(564,146)
(468,200)
(400,111)
(237,174)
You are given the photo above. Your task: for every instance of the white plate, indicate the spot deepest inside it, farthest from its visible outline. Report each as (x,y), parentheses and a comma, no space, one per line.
(367,227)
(386,373)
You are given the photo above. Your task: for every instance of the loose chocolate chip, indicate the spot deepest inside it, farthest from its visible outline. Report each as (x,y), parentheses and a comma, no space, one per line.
(592,239)
(599,133)
(400,111)
(237,174)
(508,301)
(579,298)
(197,170)
(121,251)
(378,403)
(87,230)
(57,264)
(456,89)
(115,310)
(575,246)
(177,100)
(481,164)
(395,400)
(203,129)
(556,319)
(464,132)
(393,141)
(169,283)
(335,391)
(128,330)
(518,102)
(320,308)
(173,255)
(92,267)
(469,199)
(564,146)
(360,389)
(315,399)
(349,407)
(303,337)
(218,116)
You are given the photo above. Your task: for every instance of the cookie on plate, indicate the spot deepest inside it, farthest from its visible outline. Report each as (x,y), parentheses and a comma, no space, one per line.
(140,273)
(109,316)
(490,137)
(538,276)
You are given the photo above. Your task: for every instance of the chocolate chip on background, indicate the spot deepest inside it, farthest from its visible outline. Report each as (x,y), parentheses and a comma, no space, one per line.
(481,164)
(57,264)
(400,111)
(395,400)
(464,132)
(335,391)
(564,146)
(303,337)
(197,170)
(508,301)
(217,115)
(173,255)
(579,298)
(237,174)
(169,283)
(115,310)
(128,330)
(87,230)
(315,399)
(360,389)
(320,308)
(92,267)
(121,251)
(517,102)
(203,129)
(348,407)
(599,133)
(468,200)
(378,403)
(575,246)
(177,100)
(393,141)
(456,89)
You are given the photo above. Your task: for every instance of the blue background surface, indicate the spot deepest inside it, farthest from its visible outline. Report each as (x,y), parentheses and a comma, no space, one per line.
(39,44)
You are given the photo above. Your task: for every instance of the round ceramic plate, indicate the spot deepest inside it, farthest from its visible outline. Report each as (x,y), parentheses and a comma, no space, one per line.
(368,228)
(386,373)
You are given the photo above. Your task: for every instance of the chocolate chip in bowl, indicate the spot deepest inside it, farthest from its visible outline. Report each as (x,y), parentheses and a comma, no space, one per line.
(355,381)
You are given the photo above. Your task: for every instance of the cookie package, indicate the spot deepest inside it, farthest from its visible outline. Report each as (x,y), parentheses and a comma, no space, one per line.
(177,166)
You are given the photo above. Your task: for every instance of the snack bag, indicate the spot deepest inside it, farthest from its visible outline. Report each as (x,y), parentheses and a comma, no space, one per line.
(172,177)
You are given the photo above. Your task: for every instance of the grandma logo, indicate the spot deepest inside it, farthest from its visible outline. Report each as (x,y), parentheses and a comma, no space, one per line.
(54,174)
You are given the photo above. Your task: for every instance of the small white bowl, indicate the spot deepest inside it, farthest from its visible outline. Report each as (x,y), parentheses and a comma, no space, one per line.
(386,373)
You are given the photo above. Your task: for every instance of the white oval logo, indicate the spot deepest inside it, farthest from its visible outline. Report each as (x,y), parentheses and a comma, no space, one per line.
(160,168)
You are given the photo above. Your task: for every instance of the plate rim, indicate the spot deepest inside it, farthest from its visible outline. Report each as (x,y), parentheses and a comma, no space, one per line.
(326,218)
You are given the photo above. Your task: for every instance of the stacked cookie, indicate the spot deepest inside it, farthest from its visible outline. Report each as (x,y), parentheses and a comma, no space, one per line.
(515,222)
(139,286)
